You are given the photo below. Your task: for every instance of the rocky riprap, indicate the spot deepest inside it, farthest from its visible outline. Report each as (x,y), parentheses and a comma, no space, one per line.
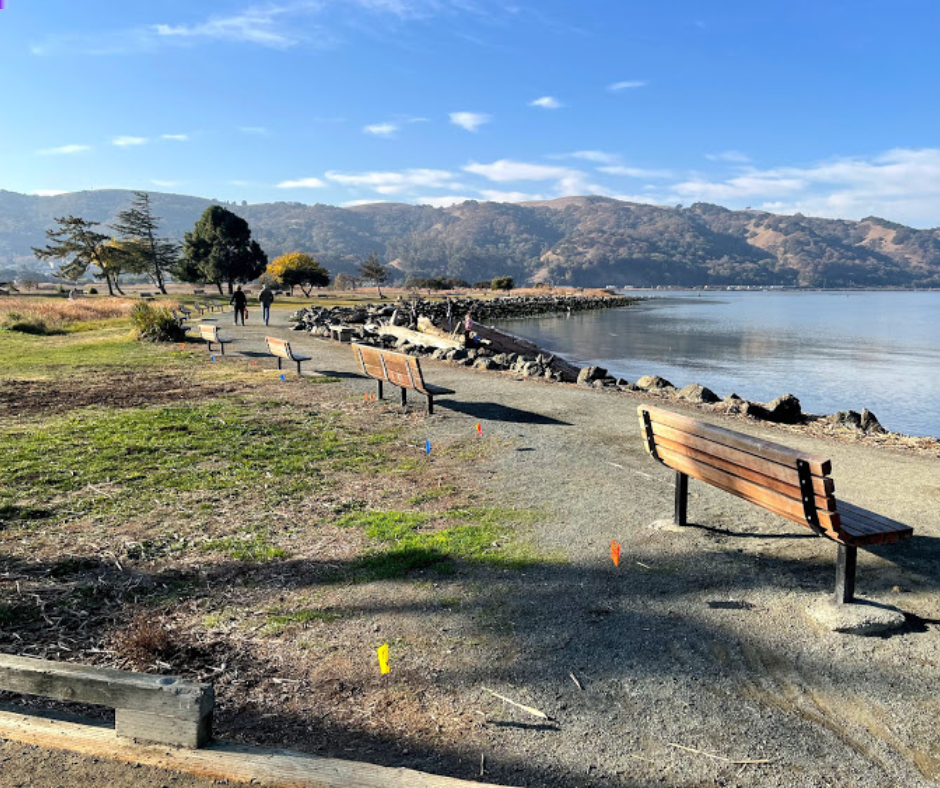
(482,311)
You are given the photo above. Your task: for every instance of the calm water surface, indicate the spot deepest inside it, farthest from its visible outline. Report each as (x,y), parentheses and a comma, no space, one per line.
(833,350)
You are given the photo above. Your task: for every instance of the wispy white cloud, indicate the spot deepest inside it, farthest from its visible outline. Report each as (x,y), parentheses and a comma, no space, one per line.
(127,142)
(471,121)
(636,172)
(628,84)
(260,130)
(261,25)
(64,150)
(48,192)
(546,102)
(901,184)
(175,137)
(382,129)
(302,183)
(733,156)
(273,24)
(599,156)
(507,170)
(392,182)
(355,203)
(165,184)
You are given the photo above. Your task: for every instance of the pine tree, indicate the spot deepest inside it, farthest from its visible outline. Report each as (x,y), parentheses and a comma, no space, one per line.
(149,254)
(79,246)
(219,249)
(373,271)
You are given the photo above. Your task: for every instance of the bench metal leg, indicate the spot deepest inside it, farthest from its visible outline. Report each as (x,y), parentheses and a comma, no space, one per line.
(380,388)
(278,362)
(298,367)
(682,499)
(430,405)
(845,574)
(404,397)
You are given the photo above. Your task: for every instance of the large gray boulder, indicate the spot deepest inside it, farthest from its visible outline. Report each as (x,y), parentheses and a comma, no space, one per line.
(588,375)
(653,383)
(696,393)
(785,409)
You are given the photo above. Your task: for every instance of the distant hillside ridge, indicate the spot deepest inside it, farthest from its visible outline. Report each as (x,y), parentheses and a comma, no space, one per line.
(584,241)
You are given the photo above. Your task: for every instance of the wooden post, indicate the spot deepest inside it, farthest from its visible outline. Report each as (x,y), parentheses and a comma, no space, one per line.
(682,498)
(846,560)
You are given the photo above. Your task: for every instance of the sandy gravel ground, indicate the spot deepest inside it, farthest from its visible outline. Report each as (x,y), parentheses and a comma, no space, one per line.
(694,662)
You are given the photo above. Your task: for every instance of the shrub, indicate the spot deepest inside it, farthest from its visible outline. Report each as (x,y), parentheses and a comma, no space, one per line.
(156,324)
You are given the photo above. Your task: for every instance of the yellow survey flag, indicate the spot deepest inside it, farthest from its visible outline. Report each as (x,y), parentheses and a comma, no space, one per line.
(382,651)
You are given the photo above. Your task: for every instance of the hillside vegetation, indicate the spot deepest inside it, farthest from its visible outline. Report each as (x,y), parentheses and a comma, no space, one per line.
(584,241)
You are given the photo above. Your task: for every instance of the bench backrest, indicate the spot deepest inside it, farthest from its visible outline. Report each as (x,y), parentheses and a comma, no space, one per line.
(787,482)
(279,347)
(396,368)
(209,333)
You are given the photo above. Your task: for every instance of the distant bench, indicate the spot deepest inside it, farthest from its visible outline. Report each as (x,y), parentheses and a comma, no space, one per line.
(211,336)
(160,709)
(398,369)
(281,349)
(340,333)
(792,484)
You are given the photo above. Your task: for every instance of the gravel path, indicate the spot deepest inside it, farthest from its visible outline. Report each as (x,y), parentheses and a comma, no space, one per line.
(700,638)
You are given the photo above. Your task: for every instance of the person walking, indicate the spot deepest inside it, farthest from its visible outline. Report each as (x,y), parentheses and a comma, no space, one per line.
(240,302)
(266,297)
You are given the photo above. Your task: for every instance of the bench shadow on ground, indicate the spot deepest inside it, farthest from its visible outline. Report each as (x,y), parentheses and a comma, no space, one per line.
(493,411)
(546,620)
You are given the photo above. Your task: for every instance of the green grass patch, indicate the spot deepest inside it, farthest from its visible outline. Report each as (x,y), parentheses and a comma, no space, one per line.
(484,536)
(254,546)
(109,463)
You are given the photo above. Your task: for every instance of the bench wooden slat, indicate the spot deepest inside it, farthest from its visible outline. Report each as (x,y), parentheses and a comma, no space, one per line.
(786,474)
(819,466)
(762,496)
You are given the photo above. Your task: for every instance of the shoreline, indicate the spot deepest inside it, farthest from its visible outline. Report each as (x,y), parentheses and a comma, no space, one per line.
(533,361)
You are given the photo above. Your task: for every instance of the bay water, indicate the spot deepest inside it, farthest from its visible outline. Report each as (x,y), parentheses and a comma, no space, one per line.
(834,350)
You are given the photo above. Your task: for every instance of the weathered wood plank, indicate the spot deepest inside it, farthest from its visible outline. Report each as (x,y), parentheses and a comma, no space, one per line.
(220,760)
(119,689)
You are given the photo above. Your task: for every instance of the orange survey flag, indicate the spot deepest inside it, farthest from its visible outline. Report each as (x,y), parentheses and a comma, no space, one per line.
(615,553)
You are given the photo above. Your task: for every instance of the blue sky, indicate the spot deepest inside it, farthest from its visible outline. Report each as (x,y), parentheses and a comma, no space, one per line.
(828,108)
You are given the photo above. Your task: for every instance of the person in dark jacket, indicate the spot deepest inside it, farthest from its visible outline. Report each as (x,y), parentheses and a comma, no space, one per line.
(266,296)
(240,302)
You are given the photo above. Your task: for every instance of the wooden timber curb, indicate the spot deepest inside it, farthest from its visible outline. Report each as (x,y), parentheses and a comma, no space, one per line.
(217,761)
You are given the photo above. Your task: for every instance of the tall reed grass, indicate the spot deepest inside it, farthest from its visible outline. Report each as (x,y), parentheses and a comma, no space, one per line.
(39,315)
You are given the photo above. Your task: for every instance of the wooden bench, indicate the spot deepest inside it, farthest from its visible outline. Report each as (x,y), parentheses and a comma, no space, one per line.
(162,709)
(398,369)
(787,482)
(281,350)
(211,335)
(215,304)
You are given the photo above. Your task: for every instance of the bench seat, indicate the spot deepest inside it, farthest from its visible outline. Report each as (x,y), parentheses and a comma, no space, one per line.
(790,483)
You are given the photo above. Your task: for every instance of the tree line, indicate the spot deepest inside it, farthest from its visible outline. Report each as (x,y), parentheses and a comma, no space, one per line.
(219,251)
